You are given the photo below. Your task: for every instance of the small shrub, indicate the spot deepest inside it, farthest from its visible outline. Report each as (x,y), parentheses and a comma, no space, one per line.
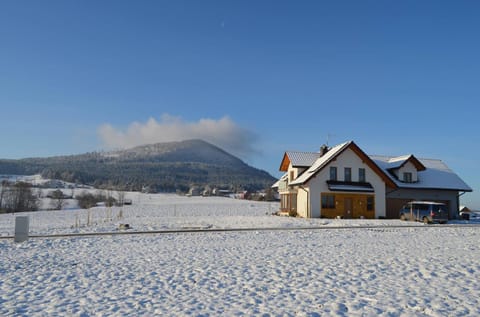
(86,200)
(292,213)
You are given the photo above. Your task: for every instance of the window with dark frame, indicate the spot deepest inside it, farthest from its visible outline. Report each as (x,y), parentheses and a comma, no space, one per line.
(370,203)
(361,175)
(348,174)
(328,201)
(407,177)
(333,173)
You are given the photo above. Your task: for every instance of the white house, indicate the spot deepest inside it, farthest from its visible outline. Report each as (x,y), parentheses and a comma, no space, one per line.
(344,181)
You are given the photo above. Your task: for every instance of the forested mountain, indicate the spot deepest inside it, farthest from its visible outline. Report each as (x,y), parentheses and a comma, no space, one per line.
(161,167)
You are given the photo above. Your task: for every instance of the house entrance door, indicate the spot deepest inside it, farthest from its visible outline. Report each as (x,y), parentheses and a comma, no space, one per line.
(348,208)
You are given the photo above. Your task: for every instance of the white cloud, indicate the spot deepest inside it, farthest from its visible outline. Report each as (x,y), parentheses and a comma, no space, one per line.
(223,132)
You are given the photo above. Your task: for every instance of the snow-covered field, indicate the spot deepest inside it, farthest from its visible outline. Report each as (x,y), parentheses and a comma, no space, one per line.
(374,269)
(169,212)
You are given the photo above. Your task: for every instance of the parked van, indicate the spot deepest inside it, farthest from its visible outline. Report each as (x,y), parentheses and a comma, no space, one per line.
(426,211)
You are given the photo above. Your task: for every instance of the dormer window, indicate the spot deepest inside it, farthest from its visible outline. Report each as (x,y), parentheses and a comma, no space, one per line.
(406,168)
(292,175)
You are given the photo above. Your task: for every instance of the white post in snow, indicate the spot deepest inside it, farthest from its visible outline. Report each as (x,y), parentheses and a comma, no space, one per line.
(21,228)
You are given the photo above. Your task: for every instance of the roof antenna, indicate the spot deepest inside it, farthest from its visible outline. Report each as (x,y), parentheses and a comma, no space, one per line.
(328,137)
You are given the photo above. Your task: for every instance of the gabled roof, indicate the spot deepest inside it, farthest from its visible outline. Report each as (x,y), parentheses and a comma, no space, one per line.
(432,173)
(400,161)
(298,159)
(436,175)
(335,151)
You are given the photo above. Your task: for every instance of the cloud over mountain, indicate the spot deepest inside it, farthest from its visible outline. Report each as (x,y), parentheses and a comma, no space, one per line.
(222,132)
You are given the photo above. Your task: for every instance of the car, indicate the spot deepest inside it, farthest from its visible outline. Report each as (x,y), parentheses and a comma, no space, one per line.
(470,215)
(465,215)
(425,211)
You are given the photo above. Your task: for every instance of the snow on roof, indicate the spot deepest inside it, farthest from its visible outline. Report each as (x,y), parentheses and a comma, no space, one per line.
(396,162)
(304,159)
(399,161)
(402,158)
(425,202)
(277,183)
(437,175)
(319,163)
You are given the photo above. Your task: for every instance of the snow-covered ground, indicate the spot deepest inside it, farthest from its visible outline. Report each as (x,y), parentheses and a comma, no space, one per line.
(374,269)
(169,211)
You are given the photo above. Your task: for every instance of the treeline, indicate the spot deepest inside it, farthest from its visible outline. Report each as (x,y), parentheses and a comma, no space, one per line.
(158,176)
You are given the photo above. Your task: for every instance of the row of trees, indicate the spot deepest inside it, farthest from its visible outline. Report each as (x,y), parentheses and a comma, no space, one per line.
(16,197)
(88,200)
(20,196)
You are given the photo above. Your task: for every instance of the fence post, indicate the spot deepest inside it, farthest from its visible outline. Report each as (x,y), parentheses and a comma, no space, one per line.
(21,228)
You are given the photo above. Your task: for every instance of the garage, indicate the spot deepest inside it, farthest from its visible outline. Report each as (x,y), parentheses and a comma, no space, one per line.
(393,207)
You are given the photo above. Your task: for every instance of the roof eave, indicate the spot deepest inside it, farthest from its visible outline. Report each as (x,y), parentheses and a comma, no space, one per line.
(296,184)
(469,190)
(418,165)
(388,181)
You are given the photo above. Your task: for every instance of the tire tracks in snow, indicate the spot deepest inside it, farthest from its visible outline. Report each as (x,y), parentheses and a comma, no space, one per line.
(217,230)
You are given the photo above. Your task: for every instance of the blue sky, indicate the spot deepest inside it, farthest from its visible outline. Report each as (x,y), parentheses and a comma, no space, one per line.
(254,77)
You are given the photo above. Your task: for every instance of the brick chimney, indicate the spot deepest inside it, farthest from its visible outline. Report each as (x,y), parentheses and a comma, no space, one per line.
(323,150)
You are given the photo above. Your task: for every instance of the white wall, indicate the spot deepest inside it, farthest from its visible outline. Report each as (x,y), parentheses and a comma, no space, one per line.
(407,168)
(302,202)
(350,159)
(317,185)
(296,171)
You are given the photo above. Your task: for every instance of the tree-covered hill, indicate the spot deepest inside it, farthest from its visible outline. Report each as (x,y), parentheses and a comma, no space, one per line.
(161,167)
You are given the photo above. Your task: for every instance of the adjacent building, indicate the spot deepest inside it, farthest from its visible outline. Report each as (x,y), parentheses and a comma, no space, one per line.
(343,181)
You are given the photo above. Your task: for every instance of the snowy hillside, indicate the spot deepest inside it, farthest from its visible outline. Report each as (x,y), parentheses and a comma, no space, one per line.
(377,268)
(163,167)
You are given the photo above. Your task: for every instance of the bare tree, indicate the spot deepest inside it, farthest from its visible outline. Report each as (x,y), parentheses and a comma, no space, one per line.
(3,187)
(109,199)
(86,200)
(19,197)
(120,198)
